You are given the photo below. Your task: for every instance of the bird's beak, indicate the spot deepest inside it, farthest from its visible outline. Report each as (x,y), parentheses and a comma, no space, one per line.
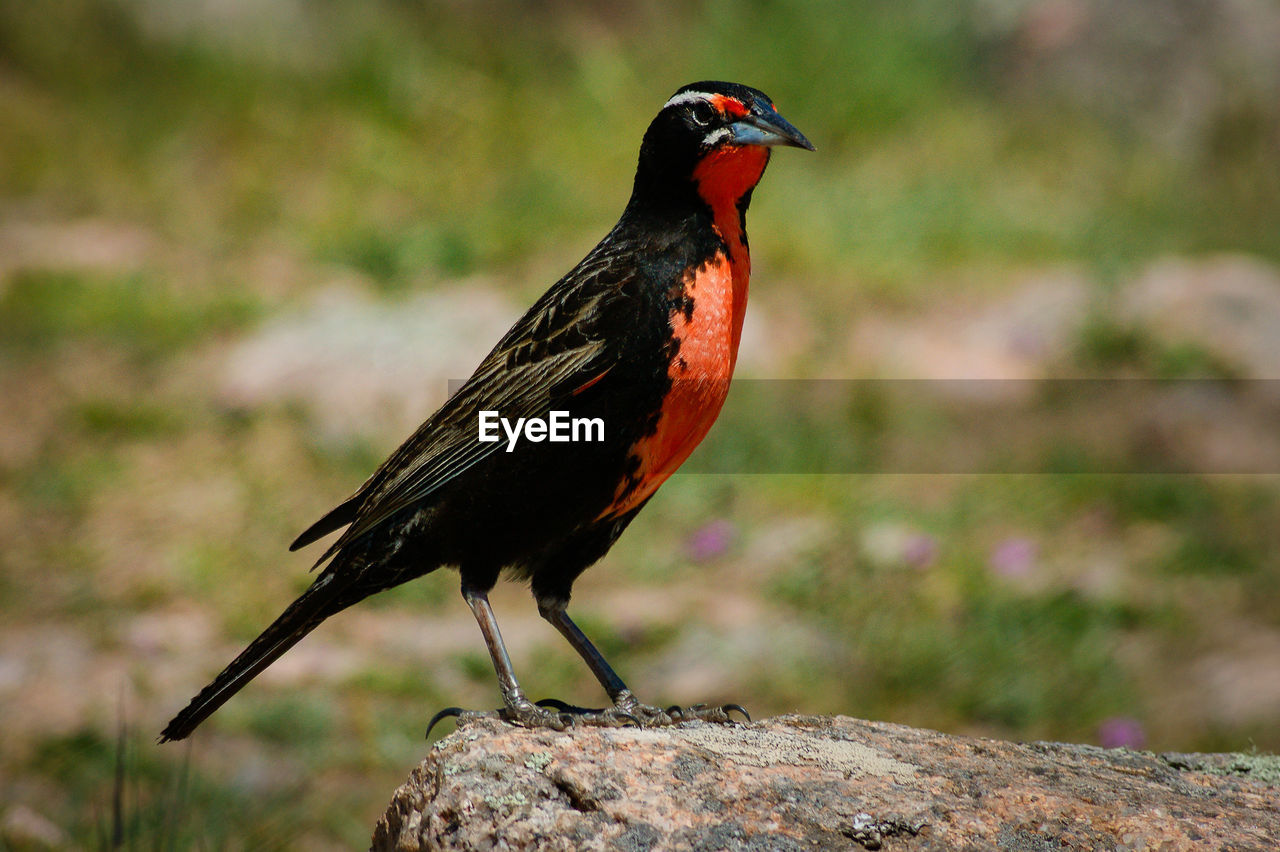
(765,127)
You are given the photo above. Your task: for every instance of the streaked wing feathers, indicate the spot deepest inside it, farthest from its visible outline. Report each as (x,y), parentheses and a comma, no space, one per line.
(554,349)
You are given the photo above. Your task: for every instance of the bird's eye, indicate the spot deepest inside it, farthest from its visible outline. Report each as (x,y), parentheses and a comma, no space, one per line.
(702,113)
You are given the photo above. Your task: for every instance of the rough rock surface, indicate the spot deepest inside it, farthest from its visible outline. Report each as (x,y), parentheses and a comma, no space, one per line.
(803,782)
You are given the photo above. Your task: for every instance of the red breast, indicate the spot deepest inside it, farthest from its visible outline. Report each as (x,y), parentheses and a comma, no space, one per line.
(707,334)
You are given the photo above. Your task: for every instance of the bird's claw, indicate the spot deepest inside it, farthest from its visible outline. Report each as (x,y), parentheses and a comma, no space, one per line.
(458,713)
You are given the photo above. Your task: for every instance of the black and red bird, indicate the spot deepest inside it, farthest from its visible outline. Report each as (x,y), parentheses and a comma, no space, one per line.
(643,334)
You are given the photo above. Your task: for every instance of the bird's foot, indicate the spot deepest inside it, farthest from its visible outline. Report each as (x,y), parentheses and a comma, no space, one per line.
(524,713)
(627,711)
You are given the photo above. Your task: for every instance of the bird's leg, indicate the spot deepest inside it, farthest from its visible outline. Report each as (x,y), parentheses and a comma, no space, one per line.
(553,610)
(626,708)
(512,696)
(516,707)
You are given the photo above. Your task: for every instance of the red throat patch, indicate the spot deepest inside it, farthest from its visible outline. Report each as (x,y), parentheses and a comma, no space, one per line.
(723,177)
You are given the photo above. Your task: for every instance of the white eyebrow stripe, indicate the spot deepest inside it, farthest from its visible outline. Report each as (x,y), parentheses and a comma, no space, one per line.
(687,98)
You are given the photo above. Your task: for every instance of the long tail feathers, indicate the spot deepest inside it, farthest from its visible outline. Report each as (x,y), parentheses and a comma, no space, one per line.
(302,616)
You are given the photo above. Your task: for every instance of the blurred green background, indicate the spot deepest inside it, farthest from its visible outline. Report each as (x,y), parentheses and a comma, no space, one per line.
(244,246)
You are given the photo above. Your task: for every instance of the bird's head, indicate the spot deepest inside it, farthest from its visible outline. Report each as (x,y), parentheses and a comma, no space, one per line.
(712,137)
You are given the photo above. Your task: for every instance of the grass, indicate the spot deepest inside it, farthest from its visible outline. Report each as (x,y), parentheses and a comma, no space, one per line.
(40,311)
(398,147)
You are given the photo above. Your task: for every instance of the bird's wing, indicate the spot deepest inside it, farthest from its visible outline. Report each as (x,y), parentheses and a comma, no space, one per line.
(337,517)
(557,348)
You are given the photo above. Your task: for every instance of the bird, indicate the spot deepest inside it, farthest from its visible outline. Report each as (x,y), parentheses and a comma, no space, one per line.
(638,340)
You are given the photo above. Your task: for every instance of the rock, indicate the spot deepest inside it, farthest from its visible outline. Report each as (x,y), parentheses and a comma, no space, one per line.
(805,782)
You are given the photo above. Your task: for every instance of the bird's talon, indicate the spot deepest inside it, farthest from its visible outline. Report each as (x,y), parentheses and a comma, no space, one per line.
(455,712)
(726,708)
(627,717)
